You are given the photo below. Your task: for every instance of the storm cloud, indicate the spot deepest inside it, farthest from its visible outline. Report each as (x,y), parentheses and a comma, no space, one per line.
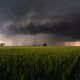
(60,18)
(65,26)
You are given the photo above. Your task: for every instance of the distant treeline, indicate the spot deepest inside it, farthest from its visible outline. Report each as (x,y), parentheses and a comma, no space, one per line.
(40,45)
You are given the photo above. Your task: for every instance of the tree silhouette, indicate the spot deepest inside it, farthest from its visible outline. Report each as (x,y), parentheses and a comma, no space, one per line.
(34,45)
(2,44)
(44,44)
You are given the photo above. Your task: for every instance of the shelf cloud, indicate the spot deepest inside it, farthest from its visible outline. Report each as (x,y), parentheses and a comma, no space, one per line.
(58,18)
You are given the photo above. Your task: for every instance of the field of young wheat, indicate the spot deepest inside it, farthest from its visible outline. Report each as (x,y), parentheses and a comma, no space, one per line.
(40,63)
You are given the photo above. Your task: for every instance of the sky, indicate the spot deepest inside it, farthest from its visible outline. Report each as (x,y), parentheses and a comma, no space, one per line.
(29,22)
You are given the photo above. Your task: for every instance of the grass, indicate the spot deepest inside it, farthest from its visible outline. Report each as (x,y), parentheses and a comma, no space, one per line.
(40,63)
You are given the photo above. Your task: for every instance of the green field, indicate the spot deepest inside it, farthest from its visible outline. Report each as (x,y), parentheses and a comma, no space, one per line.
(40,63)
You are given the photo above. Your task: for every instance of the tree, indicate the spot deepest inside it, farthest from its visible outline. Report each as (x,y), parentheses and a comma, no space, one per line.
(34,45)
(2,44)
(44,44)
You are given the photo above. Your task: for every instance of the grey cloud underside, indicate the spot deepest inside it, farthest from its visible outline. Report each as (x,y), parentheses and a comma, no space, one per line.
(62,15)
(71,29)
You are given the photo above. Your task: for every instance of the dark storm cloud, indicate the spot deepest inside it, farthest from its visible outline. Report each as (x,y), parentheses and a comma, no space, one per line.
(20,8)
(59,17)
(68,26)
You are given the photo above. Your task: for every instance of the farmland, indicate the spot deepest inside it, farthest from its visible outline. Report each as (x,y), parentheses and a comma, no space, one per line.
(40,63)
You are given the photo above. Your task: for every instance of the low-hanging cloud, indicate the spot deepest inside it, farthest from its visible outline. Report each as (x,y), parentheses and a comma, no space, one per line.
(60,27)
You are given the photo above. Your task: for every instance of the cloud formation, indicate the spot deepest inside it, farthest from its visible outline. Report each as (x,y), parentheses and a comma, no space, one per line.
(32,17)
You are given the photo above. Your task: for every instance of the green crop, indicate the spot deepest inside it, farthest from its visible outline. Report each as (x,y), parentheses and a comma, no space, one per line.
(40,63)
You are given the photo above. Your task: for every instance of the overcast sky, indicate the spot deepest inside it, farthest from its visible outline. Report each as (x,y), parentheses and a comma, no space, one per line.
(49,20)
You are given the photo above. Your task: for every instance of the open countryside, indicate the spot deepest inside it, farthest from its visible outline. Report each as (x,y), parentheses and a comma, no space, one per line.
(40,63)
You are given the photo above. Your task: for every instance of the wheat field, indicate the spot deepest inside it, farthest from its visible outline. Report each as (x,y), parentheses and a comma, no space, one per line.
(40,63)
